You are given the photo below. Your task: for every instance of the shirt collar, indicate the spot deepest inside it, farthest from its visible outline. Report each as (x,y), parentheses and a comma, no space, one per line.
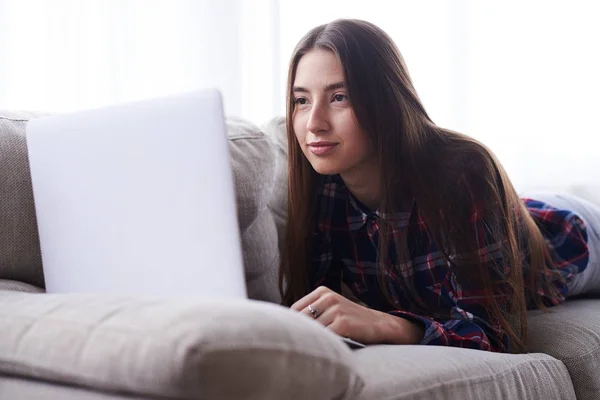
(357,213)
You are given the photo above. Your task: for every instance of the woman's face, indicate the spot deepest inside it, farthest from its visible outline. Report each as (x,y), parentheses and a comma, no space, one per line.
(323,119)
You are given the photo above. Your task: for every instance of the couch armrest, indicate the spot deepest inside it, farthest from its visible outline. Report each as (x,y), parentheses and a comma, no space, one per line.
(176,348)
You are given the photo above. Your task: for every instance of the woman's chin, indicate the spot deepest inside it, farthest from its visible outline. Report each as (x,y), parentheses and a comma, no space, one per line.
(322,169)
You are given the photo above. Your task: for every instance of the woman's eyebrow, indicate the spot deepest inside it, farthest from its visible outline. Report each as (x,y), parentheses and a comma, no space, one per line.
(299,89)
(328,88)
(334,86)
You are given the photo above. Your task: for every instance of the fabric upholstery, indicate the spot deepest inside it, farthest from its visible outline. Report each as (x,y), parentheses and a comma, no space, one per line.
(184,349)
(261,258)
(439,373)
(20,257)
(13,388)
(276,130)
(571,333)
(17,286)
(253,168)
(253,165)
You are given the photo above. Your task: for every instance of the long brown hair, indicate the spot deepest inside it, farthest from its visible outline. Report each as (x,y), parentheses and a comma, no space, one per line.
(445,172)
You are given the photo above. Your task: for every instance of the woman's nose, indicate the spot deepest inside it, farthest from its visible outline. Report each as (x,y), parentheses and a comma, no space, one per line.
(317,121)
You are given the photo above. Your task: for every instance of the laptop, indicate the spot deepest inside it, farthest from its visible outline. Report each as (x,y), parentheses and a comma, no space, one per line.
(138,199)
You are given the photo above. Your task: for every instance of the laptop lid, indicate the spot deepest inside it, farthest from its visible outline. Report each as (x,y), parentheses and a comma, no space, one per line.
(138,199)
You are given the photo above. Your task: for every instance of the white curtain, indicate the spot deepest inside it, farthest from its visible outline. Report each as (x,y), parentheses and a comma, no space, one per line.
(67,55)
(521,76)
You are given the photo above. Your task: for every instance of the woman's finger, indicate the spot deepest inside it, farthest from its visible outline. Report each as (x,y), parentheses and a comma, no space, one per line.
(310,298)
(322,305)
(326,315)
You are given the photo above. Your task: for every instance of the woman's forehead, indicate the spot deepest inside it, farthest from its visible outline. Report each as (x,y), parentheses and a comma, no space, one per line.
(317,69)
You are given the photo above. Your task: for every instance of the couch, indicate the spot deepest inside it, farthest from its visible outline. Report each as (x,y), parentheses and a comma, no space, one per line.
(93,347)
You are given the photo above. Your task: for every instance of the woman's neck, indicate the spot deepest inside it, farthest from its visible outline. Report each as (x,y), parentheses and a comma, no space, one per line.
(364,185)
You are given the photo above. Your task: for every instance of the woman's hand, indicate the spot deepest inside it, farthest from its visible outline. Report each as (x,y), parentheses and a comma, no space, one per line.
(356,322)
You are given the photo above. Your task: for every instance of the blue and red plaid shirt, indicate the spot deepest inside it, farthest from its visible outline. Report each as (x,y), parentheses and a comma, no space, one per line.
(345,246)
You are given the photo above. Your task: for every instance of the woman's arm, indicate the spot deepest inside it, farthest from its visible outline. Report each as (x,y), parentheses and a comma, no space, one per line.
(469,324)
(456,286)
(355,321)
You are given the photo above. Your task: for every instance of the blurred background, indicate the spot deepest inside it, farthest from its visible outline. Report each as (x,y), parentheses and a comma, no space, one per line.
(521,76)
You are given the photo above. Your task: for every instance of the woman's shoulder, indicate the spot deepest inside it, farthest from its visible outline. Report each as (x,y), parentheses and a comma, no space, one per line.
(461,162)
(465,180)
(467,152)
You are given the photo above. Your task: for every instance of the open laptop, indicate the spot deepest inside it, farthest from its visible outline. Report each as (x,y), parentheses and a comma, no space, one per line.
(138,199)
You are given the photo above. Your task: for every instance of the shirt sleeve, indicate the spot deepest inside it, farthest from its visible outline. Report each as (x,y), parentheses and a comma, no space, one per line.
(467,322)
(466,329)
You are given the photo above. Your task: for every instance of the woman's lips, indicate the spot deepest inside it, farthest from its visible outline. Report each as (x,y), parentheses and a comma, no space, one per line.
(322,149)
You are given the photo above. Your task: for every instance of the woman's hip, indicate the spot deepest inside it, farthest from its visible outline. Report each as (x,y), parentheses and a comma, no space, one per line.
(588,281)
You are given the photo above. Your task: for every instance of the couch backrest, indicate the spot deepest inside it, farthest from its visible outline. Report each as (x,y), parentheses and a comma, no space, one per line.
(276,130)
(254,168)
(20,257)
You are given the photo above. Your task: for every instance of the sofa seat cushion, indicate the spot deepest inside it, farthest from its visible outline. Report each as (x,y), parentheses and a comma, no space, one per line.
(436,372)
(173,348)
(571,333)
(18,388)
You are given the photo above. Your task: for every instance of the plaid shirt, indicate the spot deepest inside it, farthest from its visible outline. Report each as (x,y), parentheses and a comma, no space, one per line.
(345,245)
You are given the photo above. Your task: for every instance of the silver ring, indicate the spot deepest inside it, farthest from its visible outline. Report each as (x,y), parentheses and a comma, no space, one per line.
(313,311)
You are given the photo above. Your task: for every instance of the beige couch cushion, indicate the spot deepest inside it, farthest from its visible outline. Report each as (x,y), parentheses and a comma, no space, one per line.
(184,349)
(253,164)
(12,388)
(571,333)
(436,372)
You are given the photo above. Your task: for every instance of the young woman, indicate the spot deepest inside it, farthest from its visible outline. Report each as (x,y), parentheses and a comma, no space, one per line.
(421,224)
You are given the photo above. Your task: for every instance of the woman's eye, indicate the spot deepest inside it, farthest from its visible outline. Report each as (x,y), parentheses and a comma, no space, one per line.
(300,100)
(340,97)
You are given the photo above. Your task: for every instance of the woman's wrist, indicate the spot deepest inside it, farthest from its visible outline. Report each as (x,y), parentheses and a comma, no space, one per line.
(398,330)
